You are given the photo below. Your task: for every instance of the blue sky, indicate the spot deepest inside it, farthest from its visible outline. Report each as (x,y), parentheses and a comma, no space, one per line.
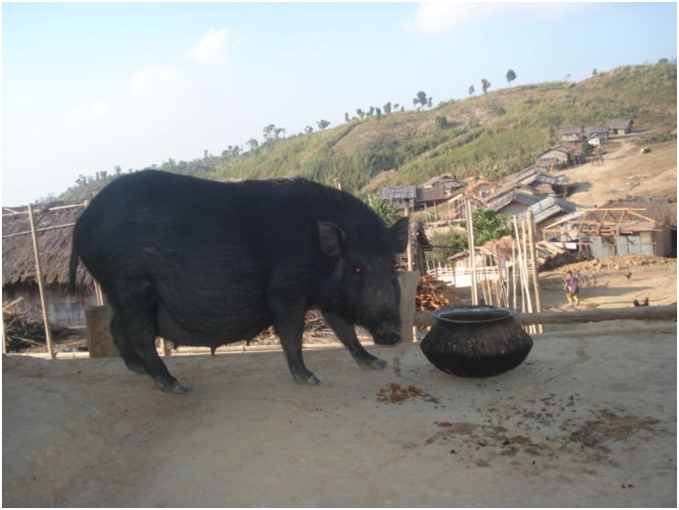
(88,86)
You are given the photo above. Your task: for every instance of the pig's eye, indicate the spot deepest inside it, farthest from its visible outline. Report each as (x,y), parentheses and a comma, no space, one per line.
(358,269)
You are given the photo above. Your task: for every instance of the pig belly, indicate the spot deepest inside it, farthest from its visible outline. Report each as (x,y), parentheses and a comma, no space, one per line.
(208,332)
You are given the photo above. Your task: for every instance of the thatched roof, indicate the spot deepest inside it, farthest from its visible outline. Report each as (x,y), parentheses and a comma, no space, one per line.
(662,210)
(54,226)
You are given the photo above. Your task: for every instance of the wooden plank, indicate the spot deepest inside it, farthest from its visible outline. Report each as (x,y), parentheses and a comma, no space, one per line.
(642,313)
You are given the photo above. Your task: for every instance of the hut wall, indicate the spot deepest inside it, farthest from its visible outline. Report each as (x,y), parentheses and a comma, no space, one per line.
(62,307)
(602,247)
(641,243)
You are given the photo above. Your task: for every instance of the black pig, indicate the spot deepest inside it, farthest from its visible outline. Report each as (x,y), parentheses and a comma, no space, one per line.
(205,263)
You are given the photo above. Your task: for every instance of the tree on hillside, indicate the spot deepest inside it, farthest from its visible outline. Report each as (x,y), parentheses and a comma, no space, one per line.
(485,85)
(253,144)
(421,99)
(268,131)
(322,124)
(511,76)
(360,113)
(471,90)
(387,108)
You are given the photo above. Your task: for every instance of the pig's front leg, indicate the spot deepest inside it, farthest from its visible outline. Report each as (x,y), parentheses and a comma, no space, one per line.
(346,332)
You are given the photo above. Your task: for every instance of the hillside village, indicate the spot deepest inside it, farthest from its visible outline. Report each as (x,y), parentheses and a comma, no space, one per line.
(569,160)
(615,227)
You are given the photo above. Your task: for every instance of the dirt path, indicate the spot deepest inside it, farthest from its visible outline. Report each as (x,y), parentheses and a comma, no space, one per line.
(588,420)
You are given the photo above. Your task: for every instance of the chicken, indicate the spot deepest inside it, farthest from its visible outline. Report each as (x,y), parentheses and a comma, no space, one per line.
(643,303)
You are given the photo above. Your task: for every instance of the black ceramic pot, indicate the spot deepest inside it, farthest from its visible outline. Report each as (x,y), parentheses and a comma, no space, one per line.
(476,341)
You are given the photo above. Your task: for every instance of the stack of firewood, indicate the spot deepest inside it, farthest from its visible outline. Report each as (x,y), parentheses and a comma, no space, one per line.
(23,330)
(433,294)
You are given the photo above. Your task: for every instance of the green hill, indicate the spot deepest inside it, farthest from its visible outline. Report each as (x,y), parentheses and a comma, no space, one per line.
(490,135)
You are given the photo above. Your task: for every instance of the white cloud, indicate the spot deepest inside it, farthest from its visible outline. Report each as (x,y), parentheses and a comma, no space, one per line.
(151,80)
(97,110)
(442,16)
(212,48)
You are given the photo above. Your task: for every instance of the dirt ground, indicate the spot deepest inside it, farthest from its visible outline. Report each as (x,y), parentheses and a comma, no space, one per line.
(589,419)
(625,171)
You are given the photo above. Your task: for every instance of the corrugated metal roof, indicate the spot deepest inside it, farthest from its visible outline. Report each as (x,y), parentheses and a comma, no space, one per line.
(548,207)
(513,196)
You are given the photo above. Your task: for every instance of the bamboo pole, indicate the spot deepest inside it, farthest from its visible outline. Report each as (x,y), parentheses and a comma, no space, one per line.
(534,264)
(514,272)
(98,293)
(4,343)
(409,251)
(472,251)
(529,297)
(38,270)
(517,234)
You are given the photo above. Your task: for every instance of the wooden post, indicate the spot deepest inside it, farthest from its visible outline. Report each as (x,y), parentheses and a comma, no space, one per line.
(38,275)
(408,281)
(100,342)
(534,264)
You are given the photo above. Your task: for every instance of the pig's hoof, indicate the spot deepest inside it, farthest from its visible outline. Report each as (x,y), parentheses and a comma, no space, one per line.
(312,380)
(180,388)
(378,363)
(173,386)
(371,363)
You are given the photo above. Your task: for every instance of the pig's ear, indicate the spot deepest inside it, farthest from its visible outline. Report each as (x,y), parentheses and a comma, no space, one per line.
(401,232)
(332,238)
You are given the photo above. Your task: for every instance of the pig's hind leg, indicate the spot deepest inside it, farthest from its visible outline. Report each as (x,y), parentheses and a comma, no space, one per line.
(135,326)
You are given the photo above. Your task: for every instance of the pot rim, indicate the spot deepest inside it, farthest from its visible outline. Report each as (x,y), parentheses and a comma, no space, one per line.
(444,314)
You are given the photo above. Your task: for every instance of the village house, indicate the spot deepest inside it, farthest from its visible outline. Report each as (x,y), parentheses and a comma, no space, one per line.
(572,134)
(620,126)
(512,201)
(548,210)
(401,196)
(435,191)
(606,232)
(558,157)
